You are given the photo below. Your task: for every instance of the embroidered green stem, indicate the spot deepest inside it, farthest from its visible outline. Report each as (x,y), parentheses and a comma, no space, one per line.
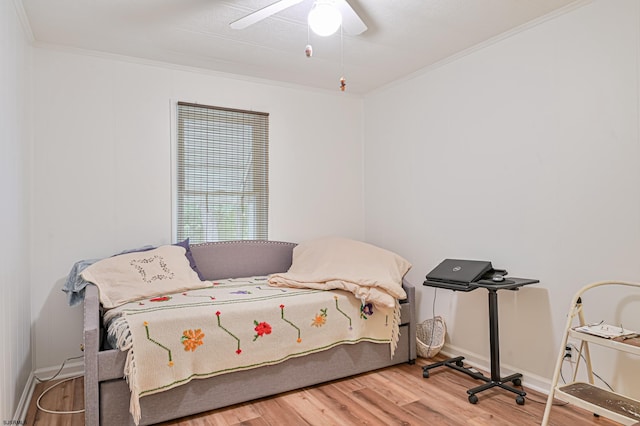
(238,351)
(205,296)
(271,289)
(290,323)
(342,312)
(146,327)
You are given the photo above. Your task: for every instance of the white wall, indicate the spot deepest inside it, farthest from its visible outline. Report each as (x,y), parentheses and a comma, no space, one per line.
(525,153)
(102,167)
(15,318)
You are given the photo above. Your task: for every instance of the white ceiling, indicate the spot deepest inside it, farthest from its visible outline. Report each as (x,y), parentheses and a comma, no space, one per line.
(403,36)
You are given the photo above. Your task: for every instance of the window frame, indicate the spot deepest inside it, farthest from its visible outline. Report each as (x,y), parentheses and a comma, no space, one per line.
(257,144)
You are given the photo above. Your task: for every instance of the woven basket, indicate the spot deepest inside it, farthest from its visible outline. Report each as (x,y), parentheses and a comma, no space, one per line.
(430,337)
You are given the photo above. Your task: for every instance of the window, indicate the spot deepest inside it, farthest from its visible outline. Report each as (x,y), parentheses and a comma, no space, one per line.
(222,173)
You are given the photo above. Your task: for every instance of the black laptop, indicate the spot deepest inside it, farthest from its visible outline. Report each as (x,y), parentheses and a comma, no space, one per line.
(459,272)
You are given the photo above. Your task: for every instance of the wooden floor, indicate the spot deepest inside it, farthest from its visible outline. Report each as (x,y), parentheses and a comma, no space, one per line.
(396,395)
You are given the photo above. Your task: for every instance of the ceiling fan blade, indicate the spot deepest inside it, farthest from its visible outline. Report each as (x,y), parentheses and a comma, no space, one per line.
(263,13)
(351,22)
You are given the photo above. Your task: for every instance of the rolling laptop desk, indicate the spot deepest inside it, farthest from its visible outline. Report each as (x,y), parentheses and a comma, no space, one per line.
(456,363)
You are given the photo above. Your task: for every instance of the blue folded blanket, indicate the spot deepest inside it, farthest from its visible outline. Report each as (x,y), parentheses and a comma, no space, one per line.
(75,284)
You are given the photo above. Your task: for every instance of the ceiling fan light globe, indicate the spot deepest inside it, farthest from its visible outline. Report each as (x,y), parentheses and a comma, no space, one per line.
(324,19)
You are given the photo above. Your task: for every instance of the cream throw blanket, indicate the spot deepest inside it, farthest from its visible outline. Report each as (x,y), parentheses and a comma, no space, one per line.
(235,325)
(371,273)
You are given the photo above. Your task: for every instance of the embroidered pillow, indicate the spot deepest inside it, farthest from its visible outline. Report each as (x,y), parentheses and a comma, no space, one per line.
(140,275)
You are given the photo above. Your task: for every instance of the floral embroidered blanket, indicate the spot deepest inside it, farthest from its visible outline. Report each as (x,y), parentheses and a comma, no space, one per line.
(236,324)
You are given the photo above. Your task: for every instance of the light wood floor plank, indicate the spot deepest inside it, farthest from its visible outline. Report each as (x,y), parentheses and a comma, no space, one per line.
(343,407)
(396,395)
(310,408)
(392,390)
(278,412)
(384,409)
(425,409)
(66,396)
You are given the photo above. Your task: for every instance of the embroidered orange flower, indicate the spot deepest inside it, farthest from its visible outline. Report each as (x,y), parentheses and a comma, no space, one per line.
(320,319)
(191,339)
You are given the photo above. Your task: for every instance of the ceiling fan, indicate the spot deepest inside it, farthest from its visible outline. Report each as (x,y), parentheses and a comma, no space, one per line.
(351,22)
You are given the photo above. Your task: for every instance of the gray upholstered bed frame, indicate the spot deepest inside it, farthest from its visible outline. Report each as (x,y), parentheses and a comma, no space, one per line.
(107,393)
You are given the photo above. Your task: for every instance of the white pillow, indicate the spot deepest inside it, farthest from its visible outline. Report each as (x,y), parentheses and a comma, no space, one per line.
(140,275)
(371,273)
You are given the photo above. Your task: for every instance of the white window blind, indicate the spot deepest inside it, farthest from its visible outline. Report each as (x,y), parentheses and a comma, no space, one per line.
(222,173)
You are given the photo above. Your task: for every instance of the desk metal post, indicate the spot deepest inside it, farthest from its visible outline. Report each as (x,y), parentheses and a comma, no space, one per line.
(494,343)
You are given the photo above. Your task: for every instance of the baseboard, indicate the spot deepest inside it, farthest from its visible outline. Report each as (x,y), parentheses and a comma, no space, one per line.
(529,380)
(71,369)
(23,404)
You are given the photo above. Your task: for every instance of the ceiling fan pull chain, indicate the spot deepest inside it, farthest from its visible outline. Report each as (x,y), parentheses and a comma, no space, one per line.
(343,82)
(308,50)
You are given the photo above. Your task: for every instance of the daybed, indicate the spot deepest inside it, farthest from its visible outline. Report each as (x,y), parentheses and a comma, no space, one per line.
(107,395)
